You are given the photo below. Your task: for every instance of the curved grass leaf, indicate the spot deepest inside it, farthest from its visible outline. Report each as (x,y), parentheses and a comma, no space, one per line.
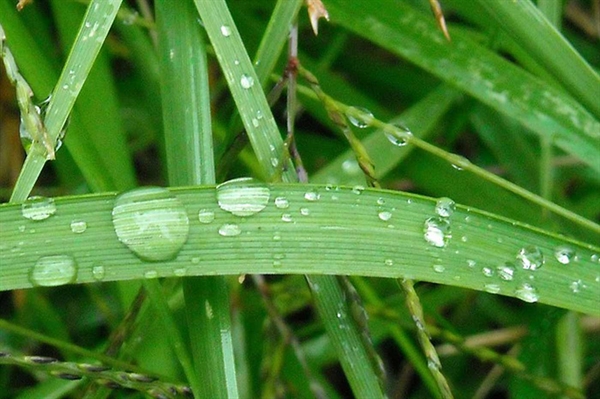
(344,232)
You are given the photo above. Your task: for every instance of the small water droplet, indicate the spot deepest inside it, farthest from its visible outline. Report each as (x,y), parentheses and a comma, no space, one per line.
(255,122)
(151,222)
(437,232)
(54,270)
(312,195)
(230,230)
(78,226)
(530,258)
(400,136)
(304,211)
(380,201)
(209,310)
(445,207)
(385,215)
(487,271)
(286,217)
(98,272)
(389,262)
(471,263)
(274,162)
(358,189)
(225,30)
(351,167)
(180,271)
(150,274)
(576,286)
(359,117)
(247,81)
(282,203)
(506,271)
(492,288)
(526,292)
(38,208)
(206,216)
(438,268)
(243,197)
(276,236)
(459,162)
(564,255)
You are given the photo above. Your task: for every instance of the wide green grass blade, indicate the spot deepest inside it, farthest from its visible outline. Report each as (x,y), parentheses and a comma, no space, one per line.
(474,69)
(343,234)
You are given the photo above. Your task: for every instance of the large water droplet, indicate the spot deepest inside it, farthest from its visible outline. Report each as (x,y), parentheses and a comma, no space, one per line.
(225,30)
(151,222)
(530,258)
(526,292)
(445,207)
(206,216)
(230,230)
(437,232)
(564,254)
(400,137)
(247,81)
(243,197)
(54,270)
(38,208)
(360,117)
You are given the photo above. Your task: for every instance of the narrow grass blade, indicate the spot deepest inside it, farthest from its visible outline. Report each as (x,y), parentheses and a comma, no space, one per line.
(90,38)
(190,159)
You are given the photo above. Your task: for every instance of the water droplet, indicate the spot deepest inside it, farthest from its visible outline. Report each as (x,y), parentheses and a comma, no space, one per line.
(225,30)
(385,215)
(389,262)
(150,274)
(151,222)
(576,286)
(436,231)
(380,201)
(209,310)
(506,271)
(54,270)
(471,263)
(274,162)
(492,288)
(206,216)
(359,117)
(286,217)
(564,255)
(255,122)
(243,197)
(459,162)
(358,189)
(526,292)
(438,268)
(304,211)
(312,195)
(351,167)
(445,207)
(247,81)
(180,271)
(38,208)
(276,236)
(282,203)
(230,230)
(78,226)
(98,272)
(400,136)
(487,271)
(530,258)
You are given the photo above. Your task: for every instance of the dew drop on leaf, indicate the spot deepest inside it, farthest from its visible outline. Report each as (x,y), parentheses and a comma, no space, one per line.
(243,197)
(54,270)
(38,208)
